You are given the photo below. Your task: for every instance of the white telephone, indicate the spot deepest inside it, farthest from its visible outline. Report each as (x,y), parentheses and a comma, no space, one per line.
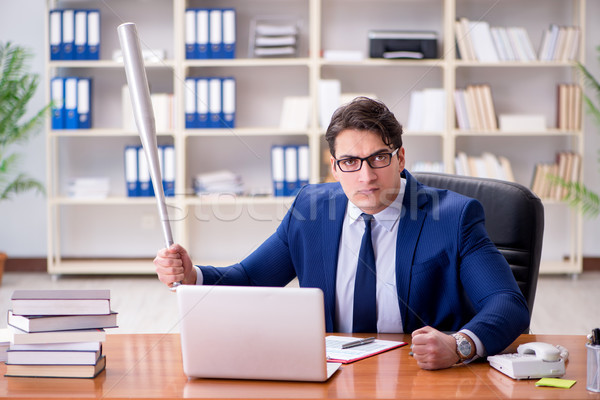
(532,360)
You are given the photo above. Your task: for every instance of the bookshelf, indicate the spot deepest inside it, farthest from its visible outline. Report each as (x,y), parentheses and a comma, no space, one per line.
(94,236)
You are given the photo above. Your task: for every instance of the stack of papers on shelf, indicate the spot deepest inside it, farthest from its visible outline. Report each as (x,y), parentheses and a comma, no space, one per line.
(58,333)
(335,352)
(274,38)
(218,182)
(89,188)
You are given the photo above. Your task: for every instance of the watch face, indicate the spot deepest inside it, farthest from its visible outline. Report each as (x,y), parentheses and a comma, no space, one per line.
(464,347)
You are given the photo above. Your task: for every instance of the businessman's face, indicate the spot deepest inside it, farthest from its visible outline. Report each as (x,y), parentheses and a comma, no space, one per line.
(370,189)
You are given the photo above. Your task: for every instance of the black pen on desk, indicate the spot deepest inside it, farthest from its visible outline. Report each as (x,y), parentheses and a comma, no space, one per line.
(358,342)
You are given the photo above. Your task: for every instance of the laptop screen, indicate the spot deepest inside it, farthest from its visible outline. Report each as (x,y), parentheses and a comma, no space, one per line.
(252,332)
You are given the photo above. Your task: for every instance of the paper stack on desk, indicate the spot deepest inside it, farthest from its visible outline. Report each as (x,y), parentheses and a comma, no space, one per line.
(337,353)
(58,333)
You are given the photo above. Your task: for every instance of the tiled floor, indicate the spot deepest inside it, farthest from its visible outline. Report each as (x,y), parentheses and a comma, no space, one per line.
(562,306)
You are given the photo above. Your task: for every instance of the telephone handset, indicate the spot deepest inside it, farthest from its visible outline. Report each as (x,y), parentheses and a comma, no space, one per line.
(532,360)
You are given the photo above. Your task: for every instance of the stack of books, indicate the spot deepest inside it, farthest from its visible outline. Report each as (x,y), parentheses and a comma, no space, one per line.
(475,108)
(487,165)
(477,41)
(58,333)
(560,43)
(568,115)
(567,167)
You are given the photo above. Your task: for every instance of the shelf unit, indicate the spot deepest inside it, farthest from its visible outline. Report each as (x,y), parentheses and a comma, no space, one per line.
(121,235)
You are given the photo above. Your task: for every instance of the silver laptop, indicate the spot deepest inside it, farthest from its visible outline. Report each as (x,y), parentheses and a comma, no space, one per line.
(253,333)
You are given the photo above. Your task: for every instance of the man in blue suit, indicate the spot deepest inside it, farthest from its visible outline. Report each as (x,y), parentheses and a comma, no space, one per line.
(390,254)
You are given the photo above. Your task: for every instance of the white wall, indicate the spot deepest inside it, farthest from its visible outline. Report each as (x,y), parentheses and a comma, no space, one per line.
(23,220)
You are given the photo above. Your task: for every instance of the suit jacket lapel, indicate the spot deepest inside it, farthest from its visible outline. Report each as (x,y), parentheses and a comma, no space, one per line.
(409,229)
(334,209)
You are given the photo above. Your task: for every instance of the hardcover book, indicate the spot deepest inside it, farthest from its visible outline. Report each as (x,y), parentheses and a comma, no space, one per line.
(46,357)
(60,302)
(45,323)
(57,371)
(85,335)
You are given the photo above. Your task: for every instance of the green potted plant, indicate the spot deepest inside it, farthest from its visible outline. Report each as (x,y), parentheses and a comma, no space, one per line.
(17,87)
(578,194)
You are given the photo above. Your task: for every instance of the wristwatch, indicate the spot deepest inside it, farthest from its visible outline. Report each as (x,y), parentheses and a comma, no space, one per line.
(464,347)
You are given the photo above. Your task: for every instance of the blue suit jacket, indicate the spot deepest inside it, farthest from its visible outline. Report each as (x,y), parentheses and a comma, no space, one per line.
(449,275)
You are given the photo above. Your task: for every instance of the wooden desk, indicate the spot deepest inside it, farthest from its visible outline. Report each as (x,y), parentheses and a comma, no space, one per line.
(149,366)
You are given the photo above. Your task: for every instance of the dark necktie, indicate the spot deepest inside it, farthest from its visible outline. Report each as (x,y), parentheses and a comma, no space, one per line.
(365,310)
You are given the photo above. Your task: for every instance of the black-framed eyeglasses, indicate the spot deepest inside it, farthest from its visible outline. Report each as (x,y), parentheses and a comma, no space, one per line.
(375,161)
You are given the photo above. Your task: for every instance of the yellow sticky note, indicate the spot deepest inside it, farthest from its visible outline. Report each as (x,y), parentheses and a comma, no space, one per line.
(556,382)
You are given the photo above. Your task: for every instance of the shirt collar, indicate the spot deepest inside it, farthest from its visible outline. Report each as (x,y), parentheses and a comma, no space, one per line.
(386,217)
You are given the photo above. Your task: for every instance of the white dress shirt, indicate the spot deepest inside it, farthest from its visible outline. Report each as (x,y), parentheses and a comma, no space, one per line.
(384,231)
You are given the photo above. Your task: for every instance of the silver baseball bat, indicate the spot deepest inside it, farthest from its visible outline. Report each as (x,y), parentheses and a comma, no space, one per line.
(144,117)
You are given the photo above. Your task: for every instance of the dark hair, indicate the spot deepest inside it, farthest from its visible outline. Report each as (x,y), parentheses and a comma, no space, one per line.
(365,114)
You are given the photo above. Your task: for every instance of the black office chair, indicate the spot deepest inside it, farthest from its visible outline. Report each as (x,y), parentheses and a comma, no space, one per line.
(514,219)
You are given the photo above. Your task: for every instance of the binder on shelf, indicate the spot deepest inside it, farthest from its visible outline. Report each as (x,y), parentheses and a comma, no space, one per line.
(278,170)
(68,34)
(168,170)
(84,103)
(229,33)
(229,102)
(144,183)
(190,33)
(215,110)
(55,34)
(303,165)
(81,34)
(190,103)
(202,102)
(215,36)
(291,171)
(57,86)
(71,118)
(93,35)
(202,50)
(131,170)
